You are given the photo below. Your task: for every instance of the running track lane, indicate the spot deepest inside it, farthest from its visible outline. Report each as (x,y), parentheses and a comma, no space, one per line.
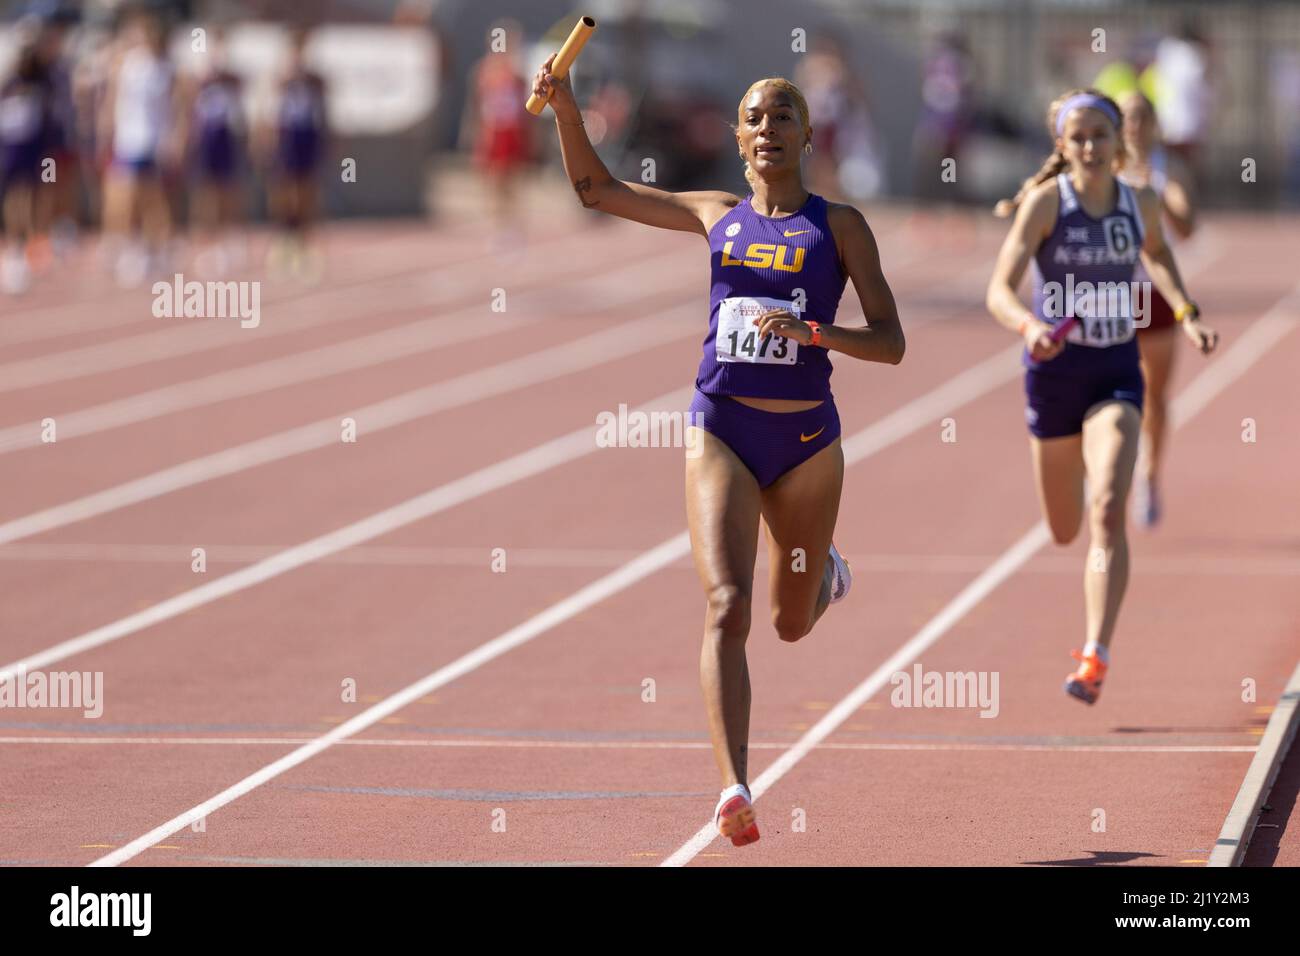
(692,588)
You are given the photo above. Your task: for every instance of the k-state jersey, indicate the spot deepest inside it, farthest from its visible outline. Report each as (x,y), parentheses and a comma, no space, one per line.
(1086,267)
(760,263)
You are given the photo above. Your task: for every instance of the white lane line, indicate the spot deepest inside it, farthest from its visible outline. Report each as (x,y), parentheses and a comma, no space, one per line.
(896,425)
(915,415)
(600,347)
(1215,565)
(269,375)
(409,255)
(327,306)
(595,349)
(66,318)
(621,744)
(559,451)
(612,289)
(575,604)
(609,289)
(1248,349)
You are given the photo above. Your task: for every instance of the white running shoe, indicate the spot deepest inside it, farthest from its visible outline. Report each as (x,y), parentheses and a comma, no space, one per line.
(842,576)
(15,277)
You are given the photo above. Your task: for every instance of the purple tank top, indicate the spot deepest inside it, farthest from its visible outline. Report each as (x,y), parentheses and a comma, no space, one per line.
(1086,268)
(759,262)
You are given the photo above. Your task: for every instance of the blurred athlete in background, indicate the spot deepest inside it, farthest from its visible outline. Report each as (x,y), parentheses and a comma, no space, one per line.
(293,150)
(1148,163)
(139,137)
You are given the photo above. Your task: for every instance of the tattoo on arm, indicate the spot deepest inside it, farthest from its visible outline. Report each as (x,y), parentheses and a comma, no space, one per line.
(581,186)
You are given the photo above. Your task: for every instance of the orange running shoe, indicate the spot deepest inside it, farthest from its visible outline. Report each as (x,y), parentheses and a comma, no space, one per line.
(1085,683)
(735,816)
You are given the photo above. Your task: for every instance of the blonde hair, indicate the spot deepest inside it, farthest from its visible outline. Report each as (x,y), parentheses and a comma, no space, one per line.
(1056,161)
(785,86)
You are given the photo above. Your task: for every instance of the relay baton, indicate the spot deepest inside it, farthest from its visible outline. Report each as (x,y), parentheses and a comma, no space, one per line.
(586,26)
(1063,329)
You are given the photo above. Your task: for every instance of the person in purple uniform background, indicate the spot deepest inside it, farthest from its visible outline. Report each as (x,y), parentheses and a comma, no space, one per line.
(294,151)
(215,137)
(767,431)
(26,121)
(1082,227)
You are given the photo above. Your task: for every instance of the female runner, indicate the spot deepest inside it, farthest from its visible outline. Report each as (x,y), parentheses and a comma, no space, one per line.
(768,430)
(1148,163)
(1080,224)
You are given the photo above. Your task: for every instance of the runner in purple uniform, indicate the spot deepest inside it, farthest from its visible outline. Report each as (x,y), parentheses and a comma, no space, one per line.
(1085,231)
(295,153)
(768,433)
(216,135)
(26,123)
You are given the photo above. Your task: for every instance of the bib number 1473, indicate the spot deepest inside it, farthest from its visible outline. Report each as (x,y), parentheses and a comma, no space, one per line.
(738,339)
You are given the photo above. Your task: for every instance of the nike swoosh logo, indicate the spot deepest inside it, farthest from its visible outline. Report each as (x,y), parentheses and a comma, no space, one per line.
(803,437)
(800,232)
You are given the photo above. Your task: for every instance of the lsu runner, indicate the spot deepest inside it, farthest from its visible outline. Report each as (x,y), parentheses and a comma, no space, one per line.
(767,427)
(1085,231)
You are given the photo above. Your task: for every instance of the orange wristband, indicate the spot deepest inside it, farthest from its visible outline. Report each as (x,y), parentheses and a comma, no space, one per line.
(816,332)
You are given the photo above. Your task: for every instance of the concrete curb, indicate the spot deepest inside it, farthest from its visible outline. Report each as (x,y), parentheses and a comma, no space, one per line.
(1230,847)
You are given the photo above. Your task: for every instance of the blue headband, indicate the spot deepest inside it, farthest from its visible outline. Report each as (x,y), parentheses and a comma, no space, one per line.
(1087,101)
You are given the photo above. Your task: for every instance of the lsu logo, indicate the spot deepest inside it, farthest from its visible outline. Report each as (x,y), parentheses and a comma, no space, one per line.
(765,255)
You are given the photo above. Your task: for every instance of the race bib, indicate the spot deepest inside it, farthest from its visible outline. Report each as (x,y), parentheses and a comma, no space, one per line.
(1105,316)
(1100,332)
(738,339)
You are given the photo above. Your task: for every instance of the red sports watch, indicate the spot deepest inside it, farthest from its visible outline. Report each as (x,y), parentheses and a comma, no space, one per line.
(816,332)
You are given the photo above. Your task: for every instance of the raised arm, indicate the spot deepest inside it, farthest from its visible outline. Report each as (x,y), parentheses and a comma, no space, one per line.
(686,212)
(1035,219)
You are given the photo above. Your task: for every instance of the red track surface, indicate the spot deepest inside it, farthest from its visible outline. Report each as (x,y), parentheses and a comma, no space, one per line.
(555,732)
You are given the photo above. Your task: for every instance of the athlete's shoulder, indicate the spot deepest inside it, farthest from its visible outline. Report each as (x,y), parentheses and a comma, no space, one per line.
(844,213)
(846,221)
(1040,209)
(852,235)
(1045,194)
(711,206)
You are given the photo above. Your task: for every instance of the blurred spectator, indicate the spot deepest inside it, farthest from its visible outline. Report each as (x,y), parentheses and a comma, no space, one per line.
(1183,93)
(497,124)
(947,106)
(846,161)
(293,151)
(26,119)
(138,129)
(1285,86)
(56,211)
(216,131)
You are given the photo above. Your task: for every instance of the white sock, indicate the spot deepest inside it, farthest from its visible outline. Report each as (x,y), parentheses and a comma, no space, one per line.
(1092,647)
(732,791)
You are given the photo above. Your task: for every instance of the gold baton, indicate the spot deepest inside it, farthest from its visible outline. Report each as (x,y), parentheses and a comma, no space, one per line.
(585,27)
